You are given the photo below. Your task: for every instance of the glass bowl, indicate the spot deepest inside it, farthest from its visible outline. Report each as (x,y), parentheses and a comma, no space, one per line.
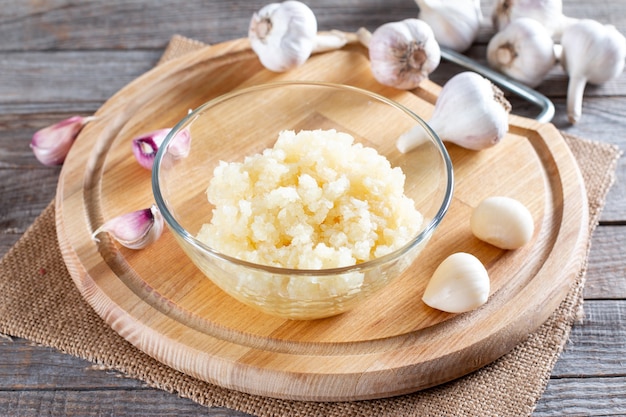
(247,121)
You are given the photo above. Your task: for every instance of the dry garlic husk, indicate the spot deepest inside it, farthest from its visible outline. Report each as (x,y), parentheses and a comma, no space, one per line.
(523,50)
(283,35)
(547,12)
(455,23)
(134,230)
(146,146)
(591,52)
(52,143)
(470,112)
(502,222)
(402,54)
(459,284)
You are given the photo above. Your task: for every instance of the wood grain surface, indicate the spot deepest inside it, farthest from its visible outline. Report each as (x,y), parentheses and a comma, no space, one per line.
(402,345)
(60,58)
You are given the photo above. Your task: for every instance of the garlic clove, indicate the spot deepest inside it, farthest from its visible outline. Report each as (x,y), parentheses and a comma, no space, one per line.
(523,50)
(283,35)
(591,52)
(145,147)
(134,230)
(459,284)
(455,23)
(402,54)
(470,112)
(549,13)
(52,143)
(502,222)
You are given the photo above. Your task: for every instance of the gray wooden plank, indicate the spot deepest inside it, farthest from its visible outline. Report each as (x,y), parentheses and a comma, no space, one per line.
(606,271)
(63,403)
(583,397)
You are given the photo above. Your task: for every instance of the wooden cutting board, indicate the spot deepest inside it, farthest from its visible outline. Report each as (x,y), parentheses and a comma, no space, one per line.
(392,344)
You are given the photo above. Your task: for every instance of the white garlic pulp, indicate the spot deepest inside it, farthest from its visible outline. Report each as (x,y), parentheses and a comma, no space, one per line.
(459,284)
(314,200)
(503,222)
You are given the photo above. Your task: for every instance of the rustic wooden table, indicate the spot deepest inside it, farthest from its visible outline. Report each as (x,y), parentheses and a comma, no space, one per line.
(59,58)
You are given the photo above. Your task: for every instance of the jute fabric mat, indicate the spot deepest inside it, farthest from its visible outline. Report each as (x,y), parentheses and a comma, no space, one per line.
(39,302)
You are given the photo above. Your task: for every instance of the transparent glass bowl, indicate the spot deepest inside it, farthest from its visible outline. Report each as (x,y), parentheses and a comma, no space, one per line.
(247,121)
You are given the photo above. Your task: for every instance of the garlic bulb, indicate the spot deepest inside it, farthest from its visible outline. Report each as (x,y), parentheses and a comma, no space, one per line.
(547,12)
(592,52)
(459,284)
(283,34)
(134,230)
(470,112)
(523,50)
(51,144)
(455,23)
(503,222)
(402,54)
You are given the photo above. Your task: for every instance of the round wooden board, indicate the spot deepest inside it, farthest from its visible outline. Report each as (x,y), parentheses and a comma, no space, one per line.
(393,344)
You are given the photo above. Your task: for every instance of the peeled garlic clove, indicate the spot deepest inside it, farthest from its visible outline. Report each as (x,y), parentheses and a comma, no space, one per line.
(503,222)
(52,143)
(470,112)
(455,23)
(403,54)
(459,284)
(145,147)
(283,35)
(523,50)
(134,230)
(592,52)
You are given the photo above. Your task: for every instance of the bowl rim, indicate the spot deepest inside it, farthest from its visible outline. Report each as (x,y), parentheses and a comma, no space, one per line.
(391,256)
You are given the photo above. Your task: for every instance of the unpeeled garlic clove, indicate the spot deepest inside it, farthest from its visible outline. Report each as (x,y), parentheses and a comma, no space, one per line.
(145,147)
(455,23)
(283,35)
(134,230)
(591,52)
(523,50)
(402,54)
(459,284)
(470,112)
(52,143)
(503,222)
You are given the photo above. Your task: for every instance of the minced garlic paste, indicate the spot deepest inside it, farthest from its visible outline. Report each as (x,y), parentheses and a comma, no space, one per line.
(315,200)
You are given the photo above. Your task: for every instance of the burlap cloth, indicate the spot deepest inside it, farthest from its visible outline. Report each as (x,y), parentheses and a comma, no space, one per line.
(39,302)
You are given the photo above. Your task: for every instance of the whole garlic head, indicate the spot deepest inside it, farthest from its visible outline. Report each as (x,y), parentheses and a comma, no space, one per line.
(402,54)
(592,52)
(523,50)
(455,23)
(283,35)
(470,112)
(547,12)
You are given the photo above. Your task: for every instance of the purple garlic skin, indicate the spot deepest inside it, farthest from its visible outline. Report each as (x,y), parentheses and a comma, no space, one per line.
(52,143)
(134,230)
(145,147)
